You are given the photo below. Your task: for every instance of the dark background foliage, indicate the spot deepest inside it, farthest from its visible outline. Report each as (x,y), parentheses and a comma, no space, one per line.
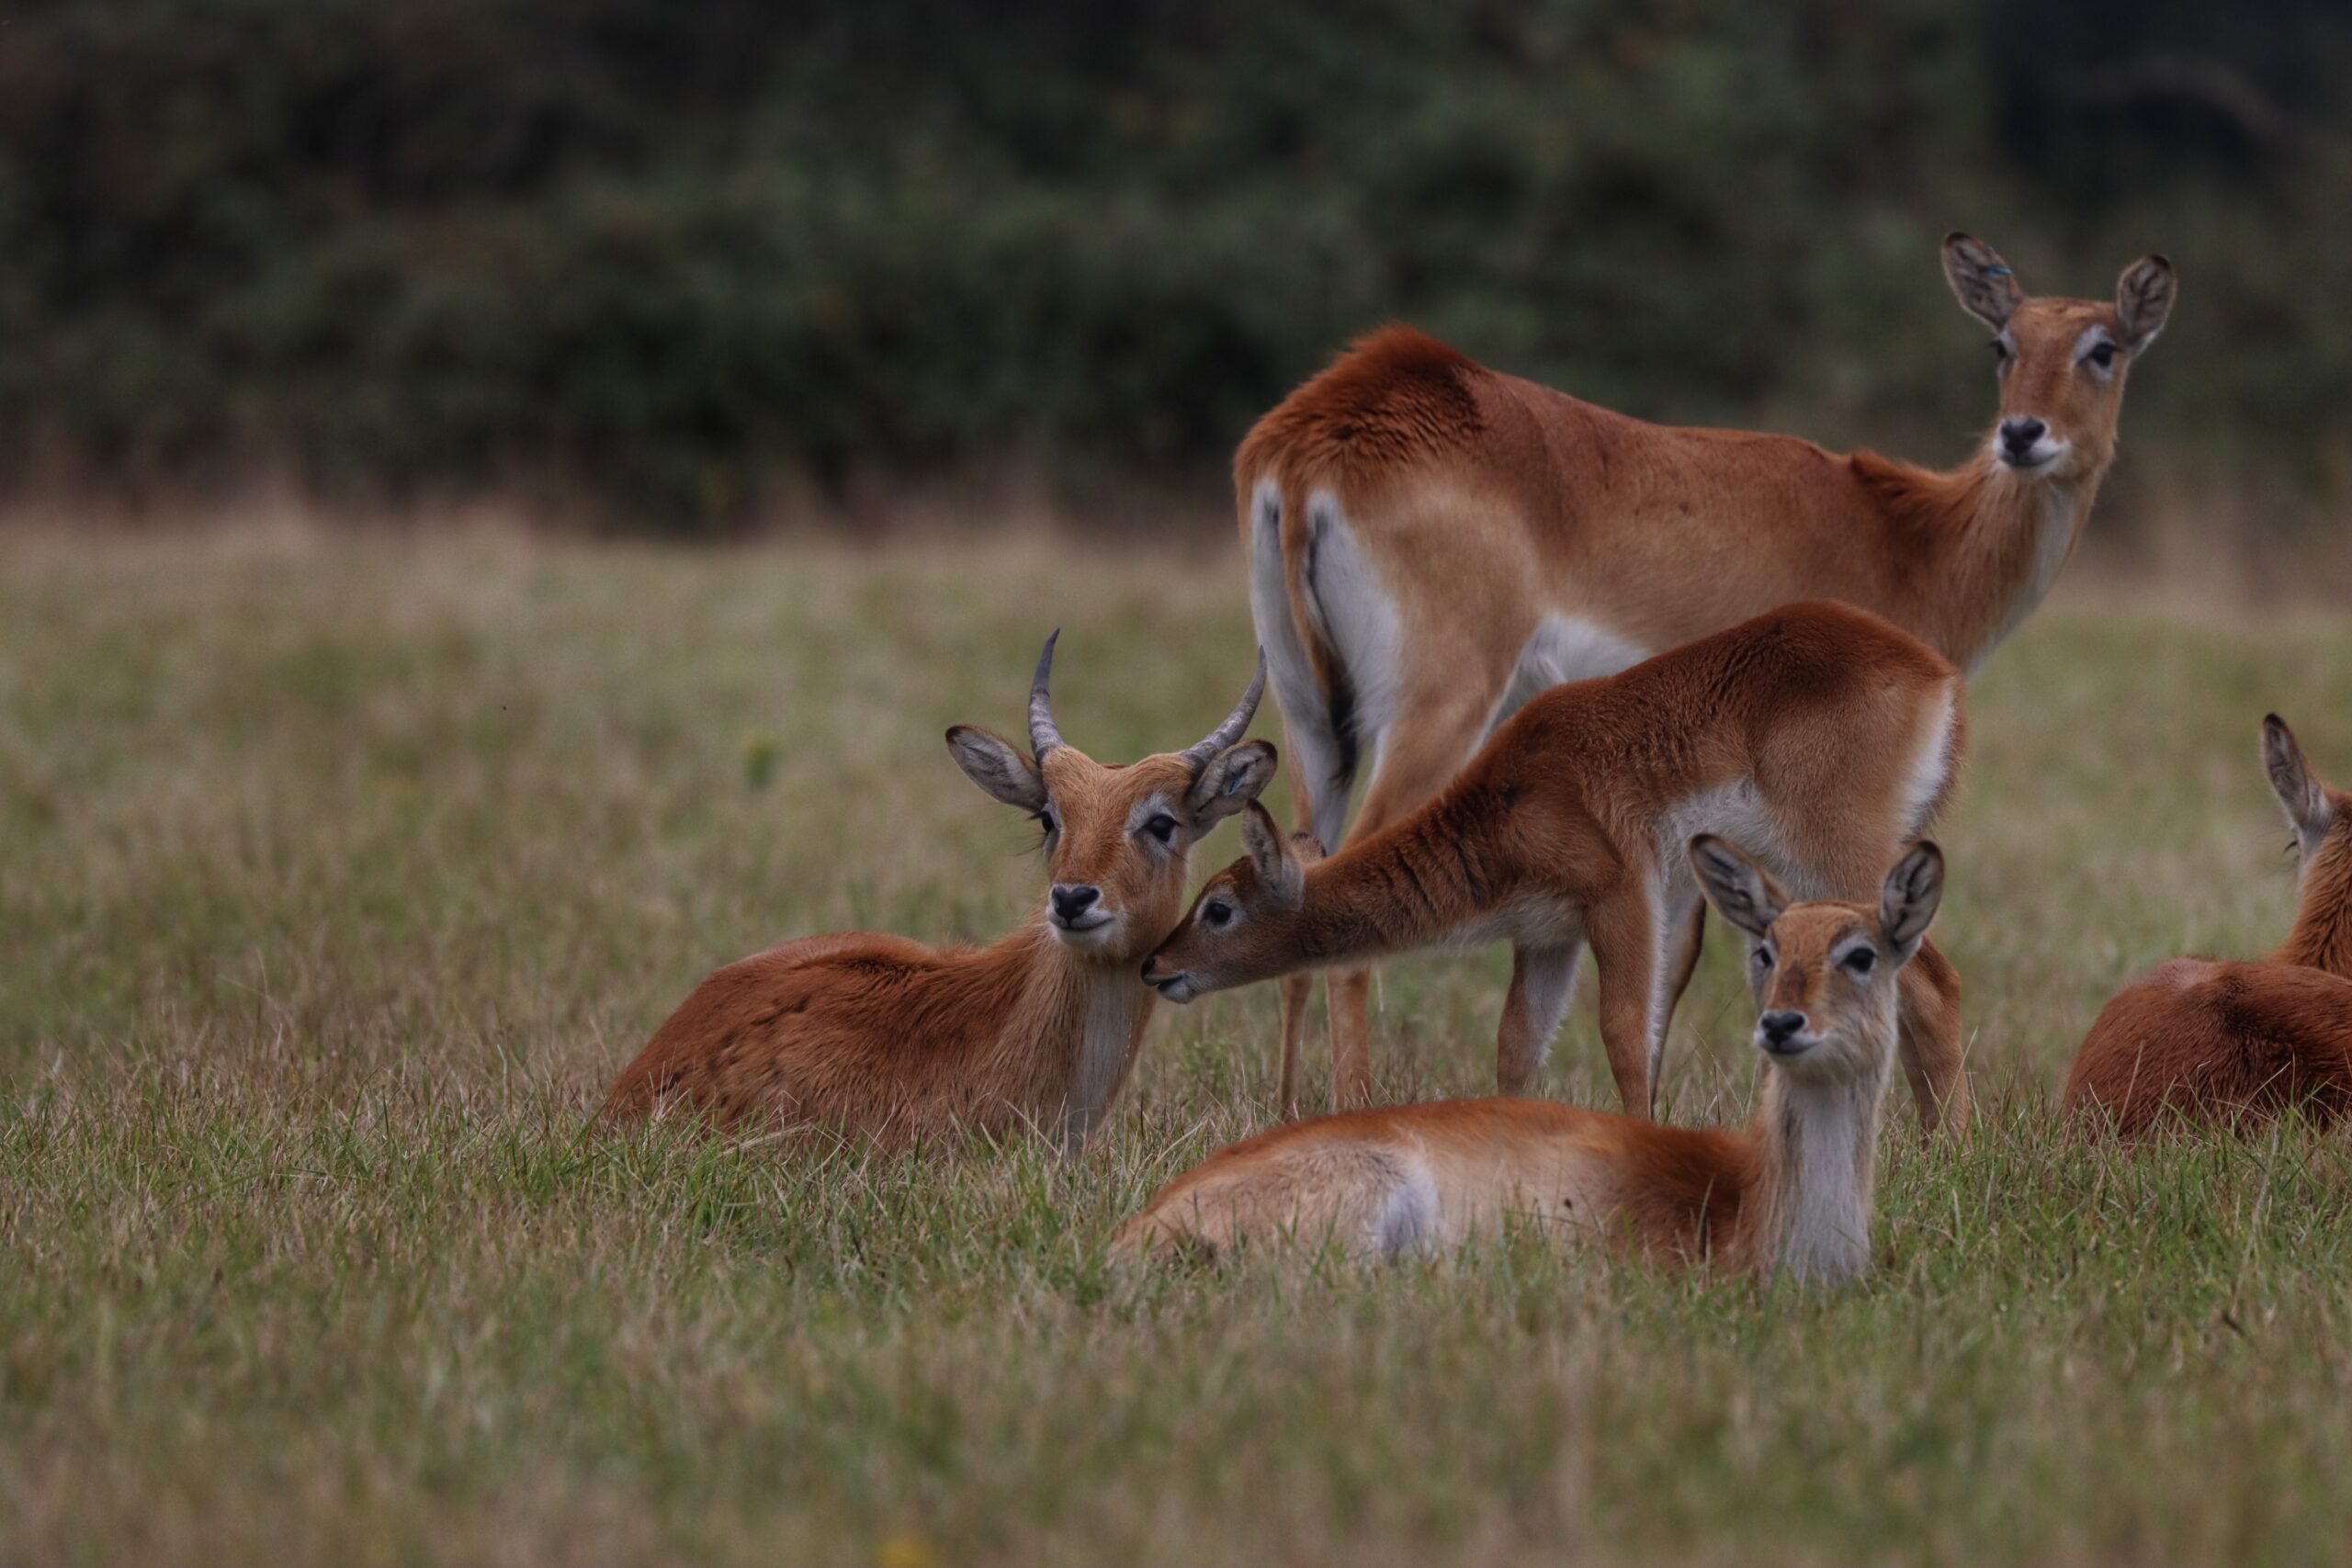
(675,255)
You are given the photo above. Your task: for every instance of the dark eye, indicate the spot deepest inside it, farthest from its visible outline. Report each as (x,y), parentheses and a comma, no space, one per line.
(2103,356)
(2000,353)
(1762,958)
(1046,821)
(1162,826)
(1217,914)
(1860,960)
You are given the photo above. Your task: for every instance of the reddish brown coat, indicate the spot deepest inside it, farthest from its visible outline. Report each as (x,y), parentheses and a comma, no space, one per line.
(1429,540)
(2199,1041)
(1818,732)
(863,1032)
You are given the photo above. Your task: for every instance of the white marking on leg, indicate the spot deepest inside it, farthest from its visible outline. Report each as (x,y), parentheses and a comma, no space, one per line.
(1667,910)
(1356,617)
(1307,714)
(1560,650)
(1548,980)
(1930,765)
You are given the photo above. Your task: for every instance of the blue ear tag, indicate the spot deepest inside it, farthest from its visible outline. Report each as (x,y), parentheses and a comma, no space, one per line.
(1233,784)
(1998,272)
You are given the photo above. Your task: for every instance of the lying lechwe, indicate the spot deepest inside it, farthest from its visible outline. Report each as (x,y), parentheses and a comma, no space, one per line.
(866,1033)
(2200,1039)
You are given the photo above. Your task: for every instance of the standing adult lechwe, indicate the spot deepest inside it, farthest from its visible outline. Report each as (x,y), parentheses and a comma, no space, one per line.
(1432,542)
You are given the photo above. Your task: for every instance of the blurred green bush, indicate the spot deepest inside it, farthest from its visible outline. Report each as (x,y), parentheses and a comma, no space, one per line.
(677,254)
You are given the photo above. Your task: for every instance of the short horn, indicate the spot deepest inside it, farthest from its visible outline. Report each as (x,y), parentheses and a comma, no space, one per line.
(1042,735)
(1198,756)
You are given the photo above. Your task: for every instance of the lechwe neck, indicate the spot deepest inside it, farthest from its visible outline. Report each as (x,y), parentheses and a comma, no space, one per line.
(2323,935)
(1071,1031)
(1992,543)
(1807,1209)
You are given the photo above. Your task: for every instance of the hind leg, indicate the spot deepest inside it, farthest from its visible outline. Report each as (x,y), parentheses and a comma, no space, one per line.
(1368,1201)
(1627,938)
(1315,805)
(1542,980)
(1683,962)
(1934,1054)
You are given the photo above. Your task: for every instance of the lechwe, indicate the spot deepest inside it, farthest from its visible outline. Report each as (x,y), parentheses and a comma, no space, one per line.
(1819,735)
(1431,542)
(1792,1194)
(2200,1040)
(870,1034)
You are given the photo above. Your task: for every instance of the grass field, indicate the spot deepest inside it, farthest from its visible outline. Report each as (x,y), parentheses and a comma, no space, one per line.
(338,876)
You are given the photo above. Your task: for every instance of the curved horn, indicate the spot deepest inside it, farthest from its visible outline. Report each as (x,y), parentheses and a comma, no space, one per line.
(1042,735)
(1197,755)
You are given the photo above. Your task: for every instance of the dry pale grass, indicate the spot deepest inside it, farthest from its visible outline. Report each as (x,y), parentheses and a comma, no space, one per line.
(336,876)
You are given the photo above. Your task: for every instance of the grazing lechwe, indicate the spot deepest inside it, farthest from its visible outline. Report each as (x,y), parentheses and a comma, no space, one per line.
(1431,542)
(1819,736)
(2205,1041)
(1791,1195)
(870,1033)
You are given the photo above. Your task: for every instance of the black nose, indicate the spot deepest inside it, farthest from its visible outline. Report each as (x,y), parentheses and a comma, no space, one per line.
(2019,435)
(1778,1026)
(1072,902)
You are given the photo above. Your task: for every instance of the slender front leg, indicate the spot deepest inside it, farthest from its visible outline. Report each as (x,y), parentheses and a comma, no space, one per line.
(1685,962)
(1350,998)
(1934,1054)
(1296,989)
(1625,945)
(1542,980)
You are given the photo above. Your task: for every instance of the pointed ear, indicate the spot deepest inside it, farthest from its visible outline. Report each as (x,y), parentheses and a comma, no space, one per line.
(1736,886)
(2300,793)
(997,768)
(2144,296)
(1278,870)
(1987,288)
(1233,778)
(1906,906)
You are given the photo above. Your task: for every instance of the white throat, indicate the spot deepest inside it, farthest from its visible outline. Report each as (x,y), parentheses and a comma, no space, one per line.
(1110,997)
(2056,508)
(1822,1141)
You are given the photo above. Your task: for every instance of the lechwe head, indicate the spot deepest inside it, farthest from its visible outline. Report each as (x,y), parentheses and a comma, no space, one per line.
(1117,835)
(1823,974)
(2061,363)
(2320,819)
(1243,923)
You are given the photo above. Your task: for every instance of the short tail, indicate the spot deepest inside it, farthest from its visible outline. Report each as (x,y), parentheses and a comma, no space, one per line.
(1311,682)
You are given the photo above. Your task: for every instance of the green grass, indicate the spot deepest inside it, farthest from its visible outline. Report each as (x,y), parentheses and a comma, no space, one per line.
(337,877)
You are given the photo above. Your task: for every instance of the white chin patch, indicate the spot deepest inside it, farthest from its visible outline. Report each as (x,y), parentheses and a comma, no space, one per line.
(1087,939)
(2042,458)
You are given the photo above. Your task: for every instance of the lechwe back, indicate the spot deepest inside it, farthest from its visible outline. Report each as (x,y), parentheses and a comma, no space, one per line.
(2202,1041)
(1793,1194)
(1819,736)
(870,1034)
(1431,542)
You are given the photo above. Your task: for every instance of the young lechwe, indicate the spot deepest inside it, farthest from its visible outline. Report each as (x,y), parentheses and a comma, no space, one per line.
(1792,1195)
(1819,735)
(2200,1039)
(865,1032)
